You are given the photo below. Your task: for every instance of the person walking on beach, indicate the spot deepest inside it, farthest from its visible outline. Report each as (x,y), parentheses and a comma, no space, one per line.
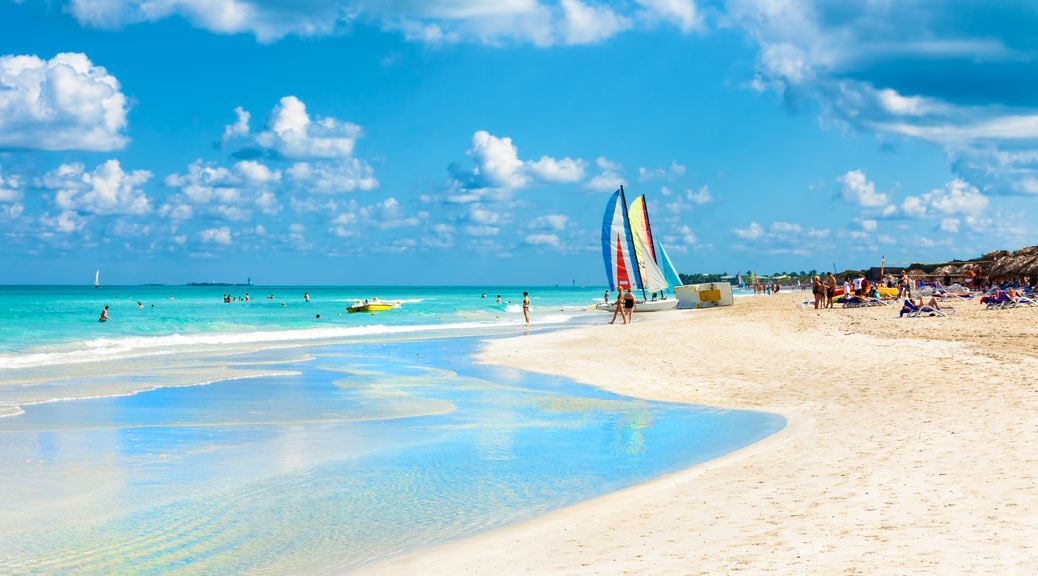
(104,315)
(818,290)
(629,305)
(619,309)
(526,307)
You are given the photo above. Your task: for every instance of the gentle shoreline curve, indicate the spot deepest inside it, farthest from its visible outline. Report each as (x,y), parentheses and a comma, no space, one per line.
(912,447)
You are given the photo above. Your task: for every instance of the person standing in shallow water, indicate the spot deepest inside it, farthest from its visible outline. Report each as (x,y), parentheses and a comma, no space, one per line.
(104,315)
(526,307)
(306,296)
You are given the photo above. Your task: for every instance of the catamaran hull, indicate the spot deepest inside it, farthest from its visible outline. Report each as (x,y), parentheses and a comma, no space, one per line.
(651,306)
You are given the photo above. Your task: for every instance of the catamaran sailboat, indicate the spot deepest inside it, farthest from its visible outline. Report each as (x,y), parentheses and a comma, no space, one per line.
(630,254)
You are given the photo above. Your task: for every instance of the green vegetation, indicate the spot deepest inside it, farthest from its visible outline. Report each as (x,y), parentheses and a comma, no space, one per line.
(784,277)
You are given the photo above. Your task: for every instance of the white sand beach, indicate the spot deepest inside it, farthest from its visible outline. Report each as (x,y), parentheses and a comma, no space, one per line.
(912,447)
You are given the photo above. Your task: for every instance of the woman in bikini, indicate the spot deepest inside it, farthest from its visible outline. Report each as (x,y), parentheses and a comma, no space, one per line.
(526,307)
(619,308)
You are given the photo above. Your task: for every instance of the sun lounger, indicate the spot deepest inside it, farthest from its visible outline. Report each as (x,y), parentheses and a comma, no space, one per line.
(927,311)
(858,302)
(911,310)
(999,301)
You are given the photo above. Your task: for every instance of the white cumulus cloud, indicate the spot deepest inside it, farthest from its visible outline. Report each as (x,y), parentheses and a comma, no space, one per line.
(609,178)
(9,188)
(681,13)
(65,103)
(590,24)
(497,165)
(957,197)
(858,189)
(346,175)
(107,189)
(220,235)
(751,232)
(550,222)
(542,240)
(292,133)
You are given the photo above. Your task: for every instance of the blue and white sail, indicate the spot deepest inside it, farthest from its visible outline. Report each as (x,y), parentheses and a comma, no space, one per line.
(618,247)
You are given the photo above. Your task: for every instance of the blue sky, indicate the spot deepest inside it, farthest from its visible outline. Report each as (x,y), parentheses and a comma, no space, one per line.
(454,141)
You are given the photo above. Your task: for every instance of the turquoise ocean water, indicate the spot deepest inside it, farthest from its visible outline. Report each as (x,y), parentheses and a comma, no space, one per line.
(315,445)
(50,316)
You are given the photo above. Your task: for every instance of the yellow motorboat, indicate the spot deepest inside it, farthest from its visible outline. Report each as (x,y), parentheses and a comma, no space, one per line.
(372,306)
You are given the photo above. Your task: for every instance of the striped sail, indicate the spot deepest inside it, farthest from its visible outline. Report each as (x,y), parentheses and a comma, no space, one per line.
(617,249)
(641,234)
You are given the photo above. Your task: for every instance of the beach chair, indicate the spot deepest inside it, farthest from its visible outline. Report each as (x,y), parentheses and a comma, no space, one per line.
(911,310)
(998,301)
(859,302)
(927,311)
(925,291)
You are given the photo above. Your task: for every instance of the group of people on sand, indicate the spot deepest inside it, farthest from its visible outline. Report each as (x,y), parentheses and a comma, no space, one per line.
(769,288)
(625,305)
(859,288)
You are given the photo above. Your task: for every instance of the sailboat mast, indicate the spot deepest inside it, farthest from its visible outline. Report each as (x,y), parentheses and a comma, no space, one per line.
(634,253)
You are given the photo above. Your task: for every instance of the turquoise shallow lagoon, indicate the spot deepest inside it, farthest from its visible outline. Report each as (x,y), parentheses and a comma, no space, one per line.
(351,453)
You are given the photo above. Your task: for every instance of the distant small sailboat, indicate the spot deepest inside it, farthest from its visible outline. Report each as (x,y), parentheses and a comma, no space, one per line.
(97,279)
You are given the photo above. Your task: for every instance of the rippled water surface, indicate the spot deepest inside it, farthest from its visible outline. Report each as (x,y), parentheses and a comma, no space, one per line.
(350,453)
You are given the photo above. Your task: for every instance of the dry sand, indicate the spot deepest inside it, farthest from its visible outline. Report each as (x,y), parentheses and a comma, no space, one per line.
(912,448)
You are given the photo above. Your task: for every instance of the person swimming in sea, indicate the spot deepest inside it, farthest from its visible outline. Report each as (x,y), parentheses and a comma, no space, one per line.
(498,298)
(104,315)
(140,306)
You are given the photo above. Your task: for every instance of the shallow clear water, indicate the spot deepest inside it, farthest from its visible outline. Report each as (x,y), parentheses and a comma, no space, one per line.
(64,318)
(352,453)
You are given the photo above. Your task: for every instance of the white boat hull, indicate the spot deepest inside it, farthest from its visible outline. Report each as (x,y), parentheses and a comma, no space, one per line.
(650,306)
